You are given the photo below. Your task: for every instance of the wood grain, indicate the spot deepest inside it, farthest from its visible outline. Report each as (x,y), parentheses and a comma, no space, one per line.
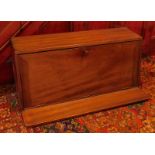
(48,113)
(69,74)
(63,75)
(37,43)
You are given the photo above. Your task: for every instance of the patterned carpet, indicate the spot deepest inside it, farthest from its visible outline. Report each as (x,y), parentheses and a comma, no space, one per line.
(139,117)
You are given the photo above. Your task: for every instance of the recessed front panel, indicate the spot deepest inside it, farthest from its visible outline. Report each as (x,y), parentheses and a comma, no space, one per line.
(56,76)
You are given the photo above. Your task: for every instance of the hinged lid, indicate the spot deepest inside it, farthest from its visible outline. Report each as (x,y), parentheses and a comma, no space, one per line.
(38,43)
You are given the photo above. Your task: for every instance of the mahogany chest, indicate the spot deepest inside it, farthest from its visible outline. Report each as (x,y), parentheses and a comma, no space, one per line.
(68,74)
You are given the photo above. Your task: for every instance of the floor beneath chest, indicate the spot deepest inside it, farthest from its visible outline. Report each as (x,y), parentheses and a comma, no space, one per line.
(139,117)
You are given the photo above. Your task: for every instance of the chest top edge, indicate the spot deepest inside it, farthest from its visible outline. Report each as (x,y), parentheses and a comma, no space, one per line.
(38,43)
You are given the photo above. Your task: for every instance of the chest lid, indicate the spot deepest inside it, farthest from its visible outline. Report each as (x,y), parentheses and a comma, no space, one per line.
(38,43)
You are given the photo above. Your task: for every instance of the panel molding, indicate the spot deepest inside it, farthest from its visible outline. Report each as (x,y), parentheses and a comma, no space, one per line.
(35,116)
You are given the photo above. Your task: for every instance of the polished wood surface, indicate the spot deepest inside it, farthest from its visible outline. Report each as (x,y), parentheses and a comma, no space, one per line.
(57,71)
(48,113)
(62,75)
(37,43)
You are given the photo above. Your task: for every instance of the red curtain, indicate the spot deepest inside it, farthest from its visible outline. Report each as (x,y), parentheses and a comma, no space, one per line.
(21,28)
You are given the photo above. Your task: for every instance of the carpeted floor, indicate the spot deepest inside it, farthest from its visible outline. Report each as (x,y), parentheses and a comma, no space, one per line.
(139,117)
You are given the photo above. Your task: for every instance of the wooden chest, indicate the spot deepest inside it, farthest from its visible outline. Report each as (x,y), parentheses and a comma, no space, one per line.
(68,74)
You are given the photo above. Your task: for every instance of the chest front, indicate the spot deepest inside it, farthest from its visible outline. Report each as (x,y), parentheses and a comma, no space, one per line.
(64,75)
